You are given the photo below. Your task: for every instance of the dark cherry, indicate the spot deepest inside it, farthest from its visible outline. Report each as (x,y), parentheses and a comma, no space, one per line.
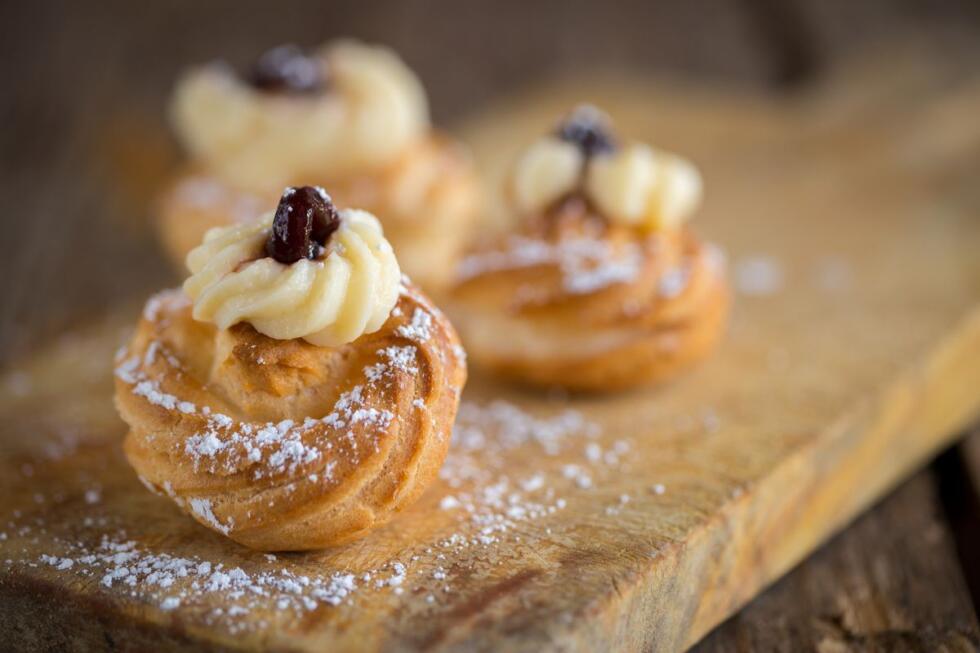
(305,220)
(587,128)
(286,69)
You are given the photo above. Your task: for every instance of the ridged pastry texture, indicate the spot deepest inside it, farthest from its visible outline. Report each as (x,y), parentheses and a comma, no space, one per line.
(280,444)
(577,301)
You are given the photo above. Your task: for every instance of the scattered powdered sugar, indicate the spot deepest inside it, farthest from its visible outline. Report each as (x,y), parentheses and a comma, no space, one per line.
(489,502)
(491,495)
(674,281)
(278,445)
(578,475)
(758,276)
(449,502)
(617,507)
(401,358)
(172,299)
(520,253)
(202,508)
(503,425)
(459,353)
(281,447)
(509,473)
(223,445)
(170,603)
(172,582)
(587,264)
(419,329)
(155,396)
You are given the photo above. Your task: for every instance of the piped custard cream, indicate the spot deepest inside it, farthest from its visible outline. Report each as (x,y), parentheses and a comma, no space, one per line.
(633,184)
(347,108)
(308,271)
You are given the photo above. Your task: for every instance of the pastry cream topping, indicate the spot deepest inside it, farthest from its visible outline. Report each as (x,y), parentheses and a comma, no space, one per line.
(371,108)
(548,170)
(643,187)
(348,291)
(634,185)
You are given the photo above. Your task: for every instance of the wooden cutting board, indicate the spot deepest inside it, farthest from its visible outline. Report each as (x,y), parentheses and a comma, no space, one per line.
(635,521)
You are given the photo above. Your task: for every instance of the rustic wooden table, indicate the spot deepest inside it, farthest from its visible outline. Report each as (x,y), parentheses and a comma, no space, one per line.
(83,91)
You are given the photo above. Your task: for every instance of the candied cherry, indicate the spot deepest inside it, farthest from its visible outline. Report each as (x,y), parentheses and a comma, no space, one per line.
(287,69)
(587,128)
(305,219)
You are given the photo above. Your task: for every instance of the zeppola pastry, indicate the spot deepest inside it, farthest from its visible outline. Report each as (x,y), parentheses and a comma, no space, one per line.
(602,286)
(298,391)
(350,117)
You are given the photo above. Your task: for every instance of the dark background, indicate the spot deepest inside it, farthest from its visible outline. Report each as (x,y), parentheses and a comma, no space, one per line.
(84,146)
(85,85)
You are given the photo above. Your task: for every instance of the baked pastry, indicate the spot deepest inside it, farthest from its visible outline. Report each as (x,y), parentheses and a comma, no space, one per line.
(350,117)
(602,286)
(298,391)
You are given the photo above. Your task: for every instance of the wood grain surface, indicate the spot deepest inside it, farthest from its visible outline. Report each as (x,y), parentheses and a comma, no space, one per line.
(854,354)
(864,591)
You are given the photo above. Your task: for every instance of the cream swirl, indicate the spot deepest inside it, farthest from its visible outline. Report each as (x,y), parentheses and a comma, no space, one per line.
(347,292)
(641,186)
(633,185)
(373,107)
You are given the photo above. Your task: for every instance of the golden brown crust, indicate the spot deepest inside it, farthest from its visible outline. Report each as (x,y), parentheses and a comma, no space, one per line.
(577,302)
(426,200)
(282,445)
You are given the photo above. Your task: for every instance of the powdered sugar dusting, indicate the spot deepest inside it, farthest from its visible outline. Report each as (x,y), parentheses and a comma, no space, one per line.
(674,281)
(222,445)
(491,495)
(202,508)
(171,581)
(758,276)
(586,264)
(509,474)
(420,327)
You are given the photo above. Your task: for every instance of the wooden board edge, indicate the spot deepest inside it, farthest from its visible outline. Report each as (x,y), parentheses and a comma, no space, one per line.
(905,424)
(38,616)
(692,587)
(889,581)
